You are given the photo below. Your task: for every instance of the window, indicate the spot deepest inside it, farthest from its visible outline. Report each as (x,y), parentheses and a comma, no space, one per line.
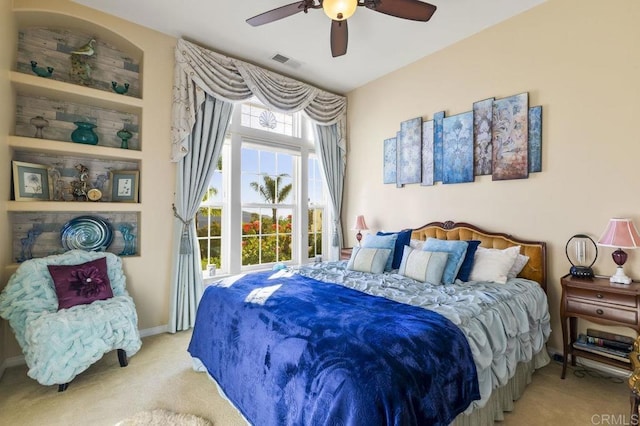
(315,208)
(253,213)
(209,220)
(267,206)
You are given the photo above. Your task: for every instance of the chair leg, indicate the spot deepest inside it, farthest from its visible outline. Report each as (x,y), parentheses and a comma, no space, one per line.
(63,387)
(122,358)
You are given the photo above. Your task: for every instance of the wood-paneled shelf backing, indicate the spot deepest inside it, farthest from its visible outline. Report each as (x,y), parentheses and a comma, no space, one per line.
(62,171)
(53,47)
(61,115)
(49,225)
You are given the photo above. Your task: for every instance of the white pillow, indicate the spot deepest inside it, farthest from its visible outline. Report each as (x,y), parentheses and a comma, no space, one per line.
(424,266)
(371,260)
(518,266)
(416,244)
(493,264)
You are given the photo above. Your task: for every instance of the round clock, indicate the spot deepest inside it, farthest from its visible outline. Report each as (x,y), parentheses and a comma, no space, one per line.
(94,194)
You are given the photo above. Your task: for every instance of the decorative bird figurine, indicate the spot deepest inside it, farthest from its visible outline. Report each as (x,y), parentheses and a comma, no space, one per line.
(120,89)
(86,50)
(41,71)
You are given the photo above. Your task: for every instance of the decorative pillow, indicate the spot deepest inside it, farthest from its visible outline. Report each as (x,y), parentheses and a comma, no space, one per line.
(425,266)
(416,244)
(493,264)
(518,266)
(382,242)
(456,249)
(467,263)
(371,260)
(403,239)
(81,284)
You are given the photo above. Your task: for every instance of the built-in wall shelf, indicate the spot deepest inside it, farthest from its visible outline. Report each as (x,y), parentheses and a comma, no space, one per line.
(87,207)
(21,143)
(33,85)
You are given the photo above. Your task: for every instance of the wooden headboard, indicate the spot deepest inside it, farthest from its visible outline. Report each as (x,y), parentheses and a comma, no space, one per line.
(536,267)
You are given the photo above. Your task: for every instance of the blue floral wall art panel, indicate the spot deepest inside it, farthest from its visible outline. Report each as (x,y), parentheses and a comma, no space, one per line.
(389,160)
(427,153)
(457,152)
(410,151)
(535,139)
(510,137)
(437,146)
(482,146)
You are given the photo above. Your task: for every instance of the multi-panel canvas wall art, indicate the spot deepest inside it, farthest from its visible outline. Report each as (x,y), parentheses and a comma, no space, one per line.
(427,153)
(437,146)
(535,139)
(390,158)
(483,148)
(457,148)
(509,134)
(410,152)
(498,137)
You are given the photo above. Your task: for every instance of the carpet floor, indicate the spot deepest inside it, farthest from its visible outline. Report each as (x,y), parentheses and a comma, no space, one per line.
(160,377)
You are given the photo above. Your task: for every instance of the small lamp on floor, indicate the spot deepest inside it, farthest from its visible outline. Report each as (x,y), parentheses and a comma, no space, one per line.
(620,233)
(360,225)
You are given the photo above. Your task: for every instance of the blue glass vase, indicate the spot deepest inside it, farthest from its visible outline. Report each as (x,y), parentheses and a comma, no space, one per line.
(84,133)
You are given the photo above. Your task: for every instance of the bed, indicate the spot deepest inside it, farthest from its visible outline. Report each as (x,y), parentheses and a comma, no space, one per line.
(324,344)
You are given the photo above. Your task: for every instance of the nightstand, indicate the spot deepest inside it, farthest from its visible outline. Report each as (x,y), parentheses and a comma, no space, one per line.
(345,253)
(598,301)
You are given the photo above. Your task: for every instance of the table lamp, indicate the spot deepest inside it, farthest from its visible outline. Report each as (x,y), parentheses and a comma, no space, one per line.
(620,233)
(360,225)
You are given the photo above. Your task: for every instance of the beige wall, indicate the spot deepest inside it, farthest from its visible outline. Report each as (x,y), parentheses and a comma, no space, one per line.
(148,274)
(580,60)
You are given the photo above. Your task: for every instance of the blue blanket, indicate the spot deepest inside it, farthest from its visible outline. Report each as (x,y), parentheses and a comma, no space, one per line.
(296,351)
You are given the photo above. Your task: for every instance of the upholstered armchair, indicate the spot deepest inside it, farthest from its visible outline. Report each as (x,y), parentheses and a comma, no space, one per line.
(67,311)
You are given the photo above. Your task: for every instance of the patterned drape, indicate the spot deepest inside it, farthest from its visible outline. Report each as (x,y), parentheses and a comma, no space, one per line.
(200,72)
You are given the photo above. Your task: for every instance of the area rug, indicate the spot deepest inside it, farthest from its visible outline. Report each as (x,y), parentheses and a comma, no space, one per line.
(163,418)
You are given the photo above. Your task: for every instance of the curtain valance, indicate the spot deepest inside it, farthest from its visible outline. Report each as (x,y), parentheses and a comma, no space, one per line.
(199,71)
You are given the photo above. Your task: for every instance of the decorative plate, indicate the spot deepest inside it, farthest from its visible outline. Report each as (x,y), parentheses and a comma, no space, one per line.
(89,233)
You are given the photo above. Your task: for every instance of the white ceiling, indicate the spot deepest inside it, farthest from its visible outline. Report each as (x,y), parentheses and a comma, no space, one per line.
(378,43)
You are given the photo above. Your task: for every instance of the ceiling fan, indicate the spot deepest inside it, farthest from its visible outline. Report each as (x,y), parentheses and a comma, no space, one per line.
(340,10)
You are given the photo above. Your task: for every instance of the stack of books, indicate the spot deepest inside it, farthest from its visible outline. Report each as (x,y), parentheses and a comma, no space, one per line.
(611,345)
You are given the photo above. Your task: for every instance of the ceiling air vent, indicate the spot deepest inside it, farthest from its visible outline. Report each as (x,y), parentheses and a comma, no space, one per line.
(280,58)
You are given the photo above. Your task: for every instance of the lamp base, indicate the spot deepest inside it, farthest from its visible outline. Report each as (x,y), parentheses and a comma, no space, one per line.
(620,277)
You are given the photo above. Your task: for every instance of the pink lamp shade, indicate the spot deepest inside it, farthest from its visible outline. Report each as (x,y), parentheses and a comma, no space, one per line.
(360,225)
(620,233)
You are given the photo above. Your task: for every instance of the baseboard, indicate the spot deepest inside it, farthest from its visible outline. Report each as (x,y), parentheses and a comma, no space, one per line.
(19,360)
(154,330)
(603,368)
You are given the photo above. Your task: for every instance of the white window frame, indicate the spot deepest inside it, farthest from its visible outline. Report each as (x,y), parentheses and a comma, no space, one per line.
(302,147)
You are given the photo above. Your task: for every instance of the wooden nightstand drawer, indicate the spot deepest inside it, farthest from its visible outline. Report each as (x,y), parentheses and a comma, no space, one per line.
(602,296)
(603,312)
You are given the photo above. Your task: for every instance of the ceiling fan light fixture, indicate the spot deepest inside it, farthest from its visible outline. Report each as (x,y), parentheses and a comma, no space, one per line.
(339,10)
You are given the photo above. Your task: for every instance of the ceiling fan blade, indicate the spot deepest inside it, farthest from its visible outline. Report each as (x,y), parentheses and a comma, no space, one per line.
(339,38)
(414,10)
(278,13)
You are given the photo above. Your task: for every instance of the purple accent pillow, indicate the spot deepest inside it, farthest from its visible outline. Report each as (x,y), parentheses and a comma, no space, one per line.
(81,284)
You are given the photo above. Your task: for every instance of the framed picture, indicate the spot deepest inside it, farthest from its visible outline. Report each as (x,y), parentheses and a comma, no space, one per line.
(124,186)
(30,181)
